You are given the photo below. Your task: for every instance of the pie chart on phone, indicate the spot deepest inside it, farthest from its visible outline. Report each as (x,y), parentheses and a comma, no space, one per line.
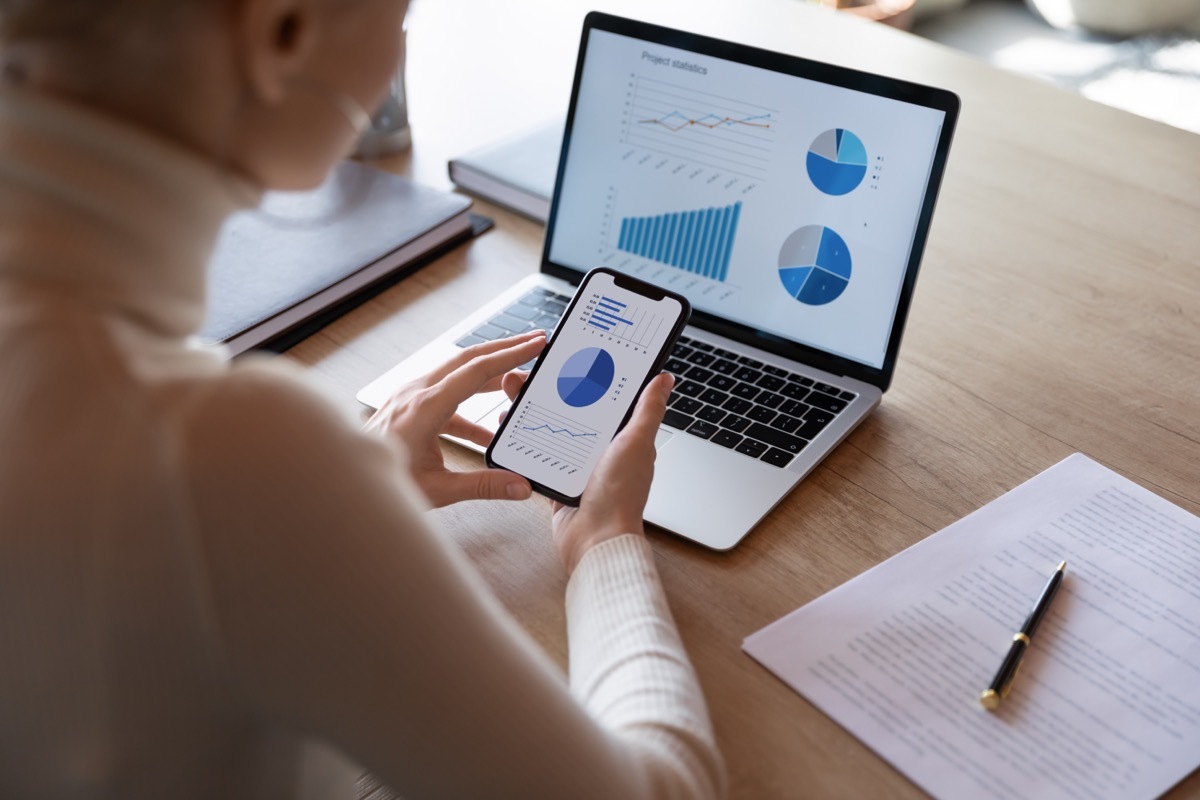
(586,377)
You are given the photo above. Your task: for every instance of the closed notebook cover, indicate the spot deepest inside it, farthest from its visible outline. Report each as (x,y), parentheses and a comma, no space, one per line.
(295,246)
(518,172)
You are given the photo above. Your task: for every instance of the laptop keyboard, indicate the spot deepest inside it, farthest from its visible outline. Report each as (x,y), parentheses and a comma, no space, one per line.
(759,410)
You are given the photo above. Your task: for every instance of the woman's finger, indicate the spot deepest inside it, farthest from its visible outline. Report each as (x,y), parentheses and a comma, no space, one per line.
(476,373)
(463,428)
(467,354)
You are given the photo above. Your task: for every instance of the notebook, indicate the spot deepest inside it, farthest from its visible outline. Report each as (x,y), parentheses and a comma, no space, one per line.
(789,200)
(517,173)
(300,258)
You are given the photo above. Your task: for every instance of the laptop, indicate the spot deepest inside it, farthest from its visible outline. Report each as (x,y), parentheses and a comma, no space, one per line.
(788,200)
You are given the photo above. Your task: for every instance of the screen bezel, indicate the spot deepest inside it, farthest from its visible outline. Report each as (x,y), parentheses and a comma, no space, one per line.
(629,283)
(882,86)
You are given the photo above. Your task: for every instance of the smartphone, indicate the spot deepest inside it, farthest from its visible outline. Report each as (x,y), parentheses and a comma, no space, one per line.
(612,340)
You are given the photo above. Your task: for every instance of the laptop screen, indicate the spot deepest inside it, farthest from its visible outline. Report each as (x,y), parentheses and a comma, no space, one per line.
(788,200)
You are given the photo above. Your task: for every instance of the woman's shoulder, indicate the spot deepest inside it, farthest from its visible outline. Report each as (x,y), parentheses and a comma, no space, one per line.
(263,414)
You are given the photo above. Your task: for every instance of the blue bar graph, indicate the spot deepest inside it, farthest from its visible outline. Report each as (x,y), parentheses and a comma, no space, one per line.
(698,241)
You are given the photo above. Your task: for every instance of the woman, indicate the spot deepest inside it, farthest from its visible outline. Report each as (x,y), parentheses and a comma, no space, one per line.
(211,584)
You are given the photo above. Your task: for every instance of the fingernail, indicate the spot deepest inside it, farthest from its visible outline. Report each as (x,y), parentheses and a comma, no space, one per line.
(518,491)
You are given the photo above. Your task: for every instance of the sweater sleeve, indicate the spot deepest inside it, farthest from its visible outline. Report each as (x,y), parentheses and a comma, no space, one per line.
(629,668)
(344,615)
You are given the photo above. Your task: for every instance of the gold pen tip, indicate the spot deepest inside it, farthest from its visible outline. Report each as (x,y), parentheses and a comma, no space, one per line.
(1062,565)
(989,699)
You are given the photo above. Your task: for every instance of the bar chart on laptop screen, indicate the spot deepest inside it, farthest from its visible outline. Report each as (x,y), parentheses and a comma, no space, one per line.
(691,154)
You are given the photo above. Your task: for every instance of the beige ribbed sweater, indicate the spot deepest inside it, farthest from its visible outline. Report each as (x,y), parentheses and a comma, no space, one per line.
(212,585)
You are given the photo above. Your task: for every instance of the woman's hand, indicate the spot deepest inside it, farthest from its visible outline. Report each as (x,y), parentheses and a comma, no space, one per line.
(425,409)
(614,499)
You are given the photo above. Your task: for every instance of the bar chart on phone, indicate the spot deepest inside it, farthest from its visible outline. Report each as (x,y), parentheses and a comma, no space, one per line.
(634,325)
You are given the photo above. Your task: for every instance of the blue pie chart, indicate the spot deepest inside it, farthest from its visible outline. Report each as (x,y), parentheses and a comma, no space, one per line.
(814,265)
(586,377)
(837,161)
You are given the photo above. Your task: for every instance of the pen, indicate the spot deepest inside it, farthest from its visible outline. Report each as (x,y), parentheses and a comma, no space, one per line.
(991,696)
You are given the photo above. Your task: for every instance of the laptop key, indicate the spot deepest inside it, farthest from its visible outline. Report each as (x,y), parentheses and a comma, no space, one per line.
(847,395)
(810,428)
(750,362)
(555,307)
(725,353)
(778,372)
(533,297)
(702,429)
(698,374)
(469,340)
(819,416)
(735,423)
(688,405)
(724,366)
(747,374)
(690,388)
(510,324)
(769,400)
(722,383)
(523,312)
(546,322)
(712,414)
(677,419)
(826,388)
(776,438)
(713,397)
(681,350)
(746,391)
(793,390)
(726,438)
(770,383)
(676,365)
(490,332)
(778,458)
(699,345)
(701,358)
(761,414)
(785,423)
(736,405)
(793,408)
(824,401)
(751,448)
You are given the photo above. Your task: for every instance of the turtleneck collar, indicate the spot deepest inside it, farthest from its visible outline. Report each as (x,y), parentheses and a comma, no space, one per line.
(107,213)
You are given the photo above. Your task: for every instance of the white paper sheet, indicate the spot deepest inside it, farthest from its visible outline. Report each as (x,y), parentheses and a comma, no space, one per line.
(1107,702)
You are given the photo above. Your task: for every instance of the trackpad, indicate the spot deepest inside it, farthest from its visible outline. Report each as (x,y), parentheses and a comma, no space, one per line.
(485,409)
(663,436)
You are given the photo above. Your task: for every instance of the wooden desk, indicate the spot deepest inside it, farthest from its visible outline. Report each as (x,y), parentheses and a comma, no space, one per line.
(1058,309)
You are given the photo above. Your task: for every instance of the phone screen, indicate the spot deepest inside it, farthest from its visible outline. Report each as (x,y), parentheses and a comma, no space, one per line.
(611,341)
